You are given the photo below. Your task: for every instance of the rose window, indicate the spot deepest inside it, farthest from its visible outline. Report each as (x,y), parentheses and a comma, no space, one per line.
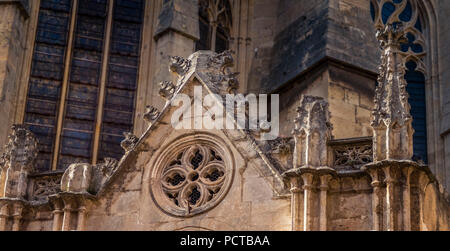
(193,180)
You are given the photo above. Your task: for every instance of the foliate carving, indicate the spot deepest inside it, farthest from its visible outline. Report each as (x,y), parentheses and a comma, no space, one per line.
(392,120)
(179,65)
(21,149)
(222,61)
(192,179)
(130,142)
(391,100)
(283,146)
(108,167)
(312,132)
(352,157)
(46,186)
(219,72)
(281,151)
(151,114)
(18,161)
(102,172)
(167,89)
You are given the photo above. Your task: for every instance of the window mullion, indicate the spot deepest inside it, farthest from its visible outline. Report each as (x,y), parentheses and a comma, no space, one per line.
(101,100)
(65,84)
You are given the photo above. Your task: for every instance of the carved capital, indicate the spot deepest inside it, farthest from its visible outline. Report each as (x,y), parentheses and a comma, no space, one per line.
(295,185)
(324,182)
(308,181)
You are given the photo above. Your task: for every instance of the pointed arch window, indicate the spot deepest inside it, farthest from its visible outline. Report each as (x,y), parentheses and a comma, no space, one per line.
(83,79)
(215,20)
(409,13)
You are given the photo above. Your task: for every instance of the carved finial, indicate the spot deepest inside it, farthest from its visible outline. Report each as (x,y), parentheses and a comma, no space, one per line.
(312,132)
(392,119)
(18,158)
(151,114)
(179,65)
(130,141)
(21,149)
(167,90)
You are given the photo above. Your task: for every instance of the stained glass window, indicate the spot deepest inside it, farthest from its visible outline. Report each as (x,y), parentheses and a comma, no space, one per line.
(68,78)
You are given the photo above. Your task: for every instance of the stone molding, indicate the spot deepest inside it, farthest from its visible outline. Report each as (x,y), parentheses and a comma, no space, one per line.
(174,199)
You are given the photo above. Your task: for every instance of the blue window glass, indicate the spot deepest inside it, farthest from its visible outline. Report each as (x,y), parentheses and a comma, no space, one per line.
(416,90)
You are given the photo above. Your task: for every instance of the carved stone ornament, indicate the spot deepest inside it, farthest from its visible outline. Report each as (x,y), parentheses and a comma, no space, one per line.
(392,121)
(192,177)
(167,90)
(21,149)
(45,186)
(312,132)
(102,173)
(18,161)
(151,114)
(219,72)
(179,65)
(86,178)
(130,141)
(352,157)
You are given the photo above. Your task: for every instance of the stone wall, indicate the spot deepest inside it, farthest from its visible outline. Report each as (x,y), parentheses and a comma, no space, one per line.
(13,32)
(349,92)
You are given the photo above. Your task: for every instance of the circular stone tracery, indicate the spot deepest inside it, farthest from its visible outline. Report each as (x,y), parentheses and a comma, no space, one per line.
(191,177)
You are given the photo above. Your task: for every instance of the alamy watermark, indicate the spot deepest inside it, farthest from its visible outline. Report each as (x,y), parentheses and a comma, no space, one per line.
(230,112)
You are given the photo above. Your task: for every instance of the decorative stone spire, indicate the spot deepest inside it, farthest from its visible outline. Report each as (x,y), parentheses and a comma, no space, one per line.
(18,161)
(392,121)
(312,132)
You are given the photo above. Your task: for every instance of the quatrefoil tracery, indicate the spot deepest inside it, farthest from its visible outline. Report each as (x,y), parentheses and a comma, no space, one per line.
(194,177)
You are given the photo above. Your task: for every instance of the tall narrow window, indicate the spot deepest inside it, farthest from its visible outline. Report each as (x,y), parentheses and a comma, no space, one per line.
(44,91)
(408,13)
(122,77)
(215,19)
(85,63)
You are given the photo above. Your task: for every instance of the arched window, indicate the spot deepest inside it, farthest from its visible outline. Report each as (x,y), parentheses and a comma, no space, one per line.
(83,79)
(215,19)
(408,13)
